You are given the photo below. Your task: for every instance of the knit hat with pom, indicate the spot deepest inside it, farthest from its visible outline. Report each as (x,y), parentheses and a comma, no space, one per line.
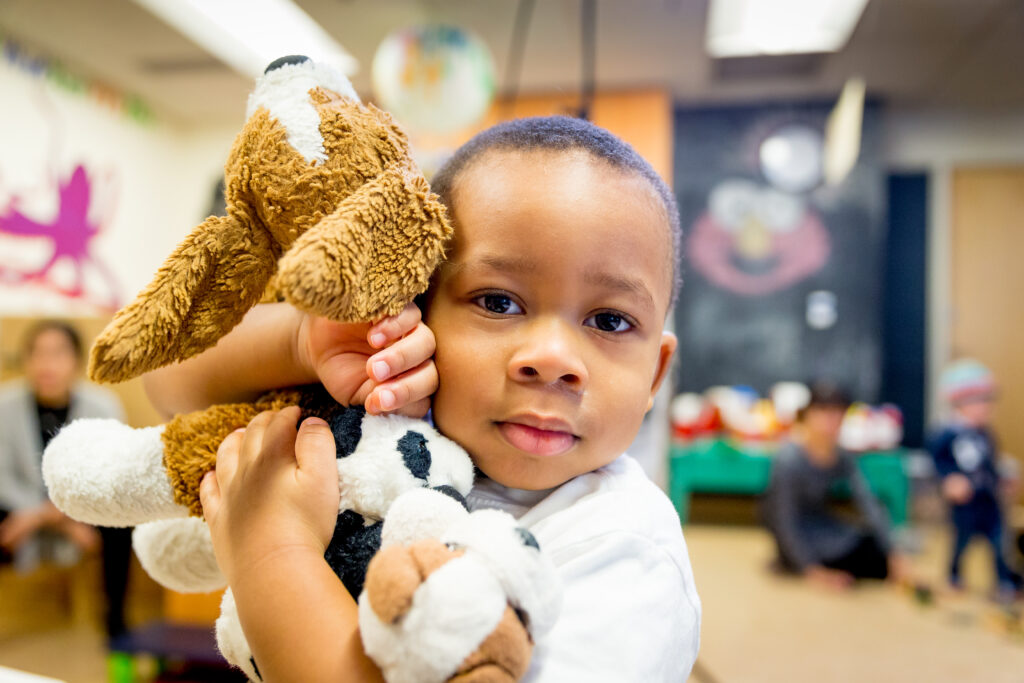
(966,379)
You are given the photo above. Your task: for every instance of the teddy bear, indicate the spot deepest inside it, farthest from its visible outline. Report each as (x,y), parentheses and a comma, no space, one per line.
(326,210)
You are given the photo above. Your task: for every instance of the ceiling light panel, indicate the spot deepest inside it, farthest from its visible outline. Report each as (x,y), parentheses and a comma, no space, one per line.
(747,28)
(249,34)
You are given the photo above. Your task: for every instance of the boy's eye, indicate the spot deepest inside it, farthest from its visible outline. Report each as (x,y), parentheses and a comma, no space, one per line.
(609,322)
(499,303)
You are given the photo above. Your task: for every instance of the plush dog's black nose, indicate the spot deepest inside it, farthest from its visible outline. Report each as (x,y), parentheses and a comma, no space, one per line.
(290,59)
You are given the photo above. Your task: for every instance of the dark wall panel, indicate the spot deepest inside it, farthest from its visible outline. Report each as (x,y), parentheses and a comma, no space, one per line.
(782,275)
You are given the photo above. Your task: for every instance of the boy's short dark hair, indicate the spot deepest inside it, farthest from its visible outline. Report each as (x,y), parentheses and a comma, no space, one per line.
(565,133)
(65,328)
(825,395)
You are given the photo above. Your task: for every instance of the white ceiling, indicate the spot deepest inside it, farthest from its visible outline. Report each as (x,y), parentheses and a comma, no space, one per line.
(928,53)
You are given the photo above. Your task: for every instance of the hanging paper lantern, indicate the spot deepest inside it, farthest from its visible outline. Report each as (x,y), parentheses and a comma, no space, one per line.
(434,78)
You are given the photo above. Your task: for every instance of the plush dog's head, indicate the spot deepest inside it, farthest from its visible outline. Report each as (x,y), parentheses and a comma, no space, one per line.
(467,606)
(322,196)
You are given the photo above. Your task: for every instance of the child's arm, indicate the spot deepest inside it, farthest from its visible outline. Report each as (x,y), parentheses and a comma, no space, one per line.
(387,366)
(271,506)
(955,485)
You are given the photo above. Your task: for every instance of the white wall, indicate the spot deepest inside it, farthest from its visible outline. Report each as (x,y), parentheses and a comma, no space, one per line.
(937,142)
(156,180)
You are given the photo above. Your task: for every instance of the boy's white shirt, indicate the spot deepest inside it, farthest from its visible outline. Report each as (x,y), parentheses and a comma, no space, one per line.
(630,610)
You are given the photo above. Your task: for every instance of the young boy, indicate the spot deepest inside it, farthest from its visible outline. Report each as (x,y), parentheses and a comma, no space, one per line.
(550,347)
(965,455)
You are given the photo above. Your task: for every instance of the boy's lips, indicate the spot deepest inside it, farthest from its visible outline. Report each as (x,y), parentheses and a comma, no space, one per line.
(539,436)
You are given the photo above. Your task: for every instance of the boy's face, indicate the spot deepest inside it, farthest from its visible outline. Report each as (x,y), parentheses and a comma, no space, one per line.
(825,421)
(549,315)
(977,410)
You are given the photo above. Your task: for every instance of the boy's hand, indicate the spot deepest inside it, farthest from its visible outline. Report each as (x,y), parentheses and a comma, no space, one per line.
(829,579)
(387,366)
(275,490)
(957,489)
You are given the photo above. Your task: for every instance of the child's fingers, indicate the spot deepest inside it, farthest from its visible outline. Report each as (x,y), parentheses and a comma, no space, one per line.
(394,327)
(209,496)
(252,442)
(314,446)
(416,410)
(279,435)
(227,456)
(412,387)
(405,354)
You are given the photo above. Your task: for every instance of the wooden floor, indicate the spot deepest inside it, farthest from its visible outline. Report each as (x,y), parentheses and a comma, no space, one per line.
(762,628)
(758,627)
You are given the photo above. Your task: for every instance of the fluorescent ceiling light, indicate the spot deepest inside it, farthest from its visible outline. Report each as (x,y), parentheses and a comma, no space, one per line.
(250,34)
(747,28)
(843,131)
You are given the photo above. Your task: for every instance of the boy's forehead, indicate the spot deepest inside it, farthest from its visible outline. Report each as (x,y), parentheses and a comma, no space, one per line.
(502,181)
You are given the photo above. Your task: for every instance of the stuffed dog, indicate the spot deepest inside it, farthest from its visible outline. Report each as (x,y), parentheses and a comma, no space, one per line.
(326,210)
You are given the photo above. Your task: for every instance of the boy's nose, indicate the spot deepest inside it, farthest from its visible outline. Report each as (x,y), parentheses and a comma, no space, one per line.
(549,354)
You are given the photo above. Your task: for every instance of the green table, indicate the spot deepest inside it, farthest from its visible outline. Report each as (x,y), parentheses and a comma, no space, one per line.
(719,466)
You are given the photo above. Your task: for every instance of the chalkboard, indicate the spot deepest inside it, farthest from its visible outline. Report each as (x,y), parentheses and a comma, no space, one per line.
(781,275)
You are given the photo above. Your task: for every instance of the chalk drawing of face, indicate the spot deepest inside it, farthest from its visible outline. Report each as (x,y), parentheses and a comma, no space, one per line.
(754,239)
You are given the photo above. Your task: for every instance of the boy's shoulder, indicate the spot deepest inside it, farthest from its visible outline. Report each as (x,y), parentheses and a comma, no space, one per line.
(944,433)
(615,500)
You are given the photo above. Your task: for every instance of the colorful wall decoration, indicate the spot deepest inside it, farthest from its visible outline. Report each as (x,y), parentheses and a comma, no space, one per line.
(94,193)
(54,71)
(67,235)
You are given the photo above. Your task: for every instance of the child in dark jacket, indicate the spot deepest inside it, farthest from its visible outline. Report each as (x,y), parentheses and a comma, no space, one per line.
(966,461)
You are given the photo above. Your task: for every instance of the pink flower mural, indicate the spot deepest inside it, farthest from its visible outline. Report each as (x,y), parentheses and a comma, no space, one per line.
(70,233)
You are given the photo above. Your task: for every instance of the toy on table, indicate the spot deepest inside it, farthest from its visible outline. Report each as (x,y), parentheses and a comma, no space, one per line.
(867,428)
(325,209)
(739,413)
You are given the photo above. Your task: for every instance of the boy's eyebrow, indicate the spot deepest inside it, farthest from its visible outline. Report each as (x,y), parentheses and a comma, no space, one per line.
(620,283)
(505,263)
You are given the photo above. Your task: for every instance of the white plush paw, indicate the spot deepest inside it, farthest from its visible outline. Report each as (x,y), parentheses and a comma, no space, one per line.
(231,641)
(103,472)
(178,553)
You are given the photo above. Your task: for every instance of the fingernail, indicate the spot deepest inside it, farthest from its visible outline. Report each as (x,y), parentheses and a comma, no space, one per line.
(386,399)
(314,422)
(377,339)
(381,370)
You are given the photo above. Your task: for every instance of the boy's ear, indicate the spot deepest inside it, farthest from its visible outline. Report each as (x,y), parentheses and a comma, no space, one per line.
(665,351)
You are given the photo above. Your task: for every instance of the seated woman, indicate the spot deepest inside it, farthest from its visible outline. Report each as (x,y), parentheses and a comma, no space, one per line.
(32,410)
(812,539)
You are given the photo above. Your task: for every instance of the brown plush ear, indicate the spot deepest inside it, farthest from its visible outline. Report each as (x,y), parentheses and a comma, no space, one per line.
(503,656)
(373,254)
(202,291)
(396,571)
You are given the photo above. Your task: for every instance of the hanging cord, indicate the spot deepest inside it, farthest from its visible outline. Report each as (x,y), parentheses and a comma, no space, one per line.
(588,45)
(516,48)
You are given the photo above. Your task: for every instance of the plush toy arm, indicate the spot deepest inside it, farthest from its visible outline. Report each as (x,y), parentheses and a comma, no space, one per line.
(202,291)
(178,554)
(231,640)
(103,472)
(372,255)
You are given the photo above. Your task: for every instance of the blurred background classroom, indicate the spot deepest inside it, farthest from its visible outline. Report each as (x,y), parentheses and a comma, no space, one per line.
(850,177)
